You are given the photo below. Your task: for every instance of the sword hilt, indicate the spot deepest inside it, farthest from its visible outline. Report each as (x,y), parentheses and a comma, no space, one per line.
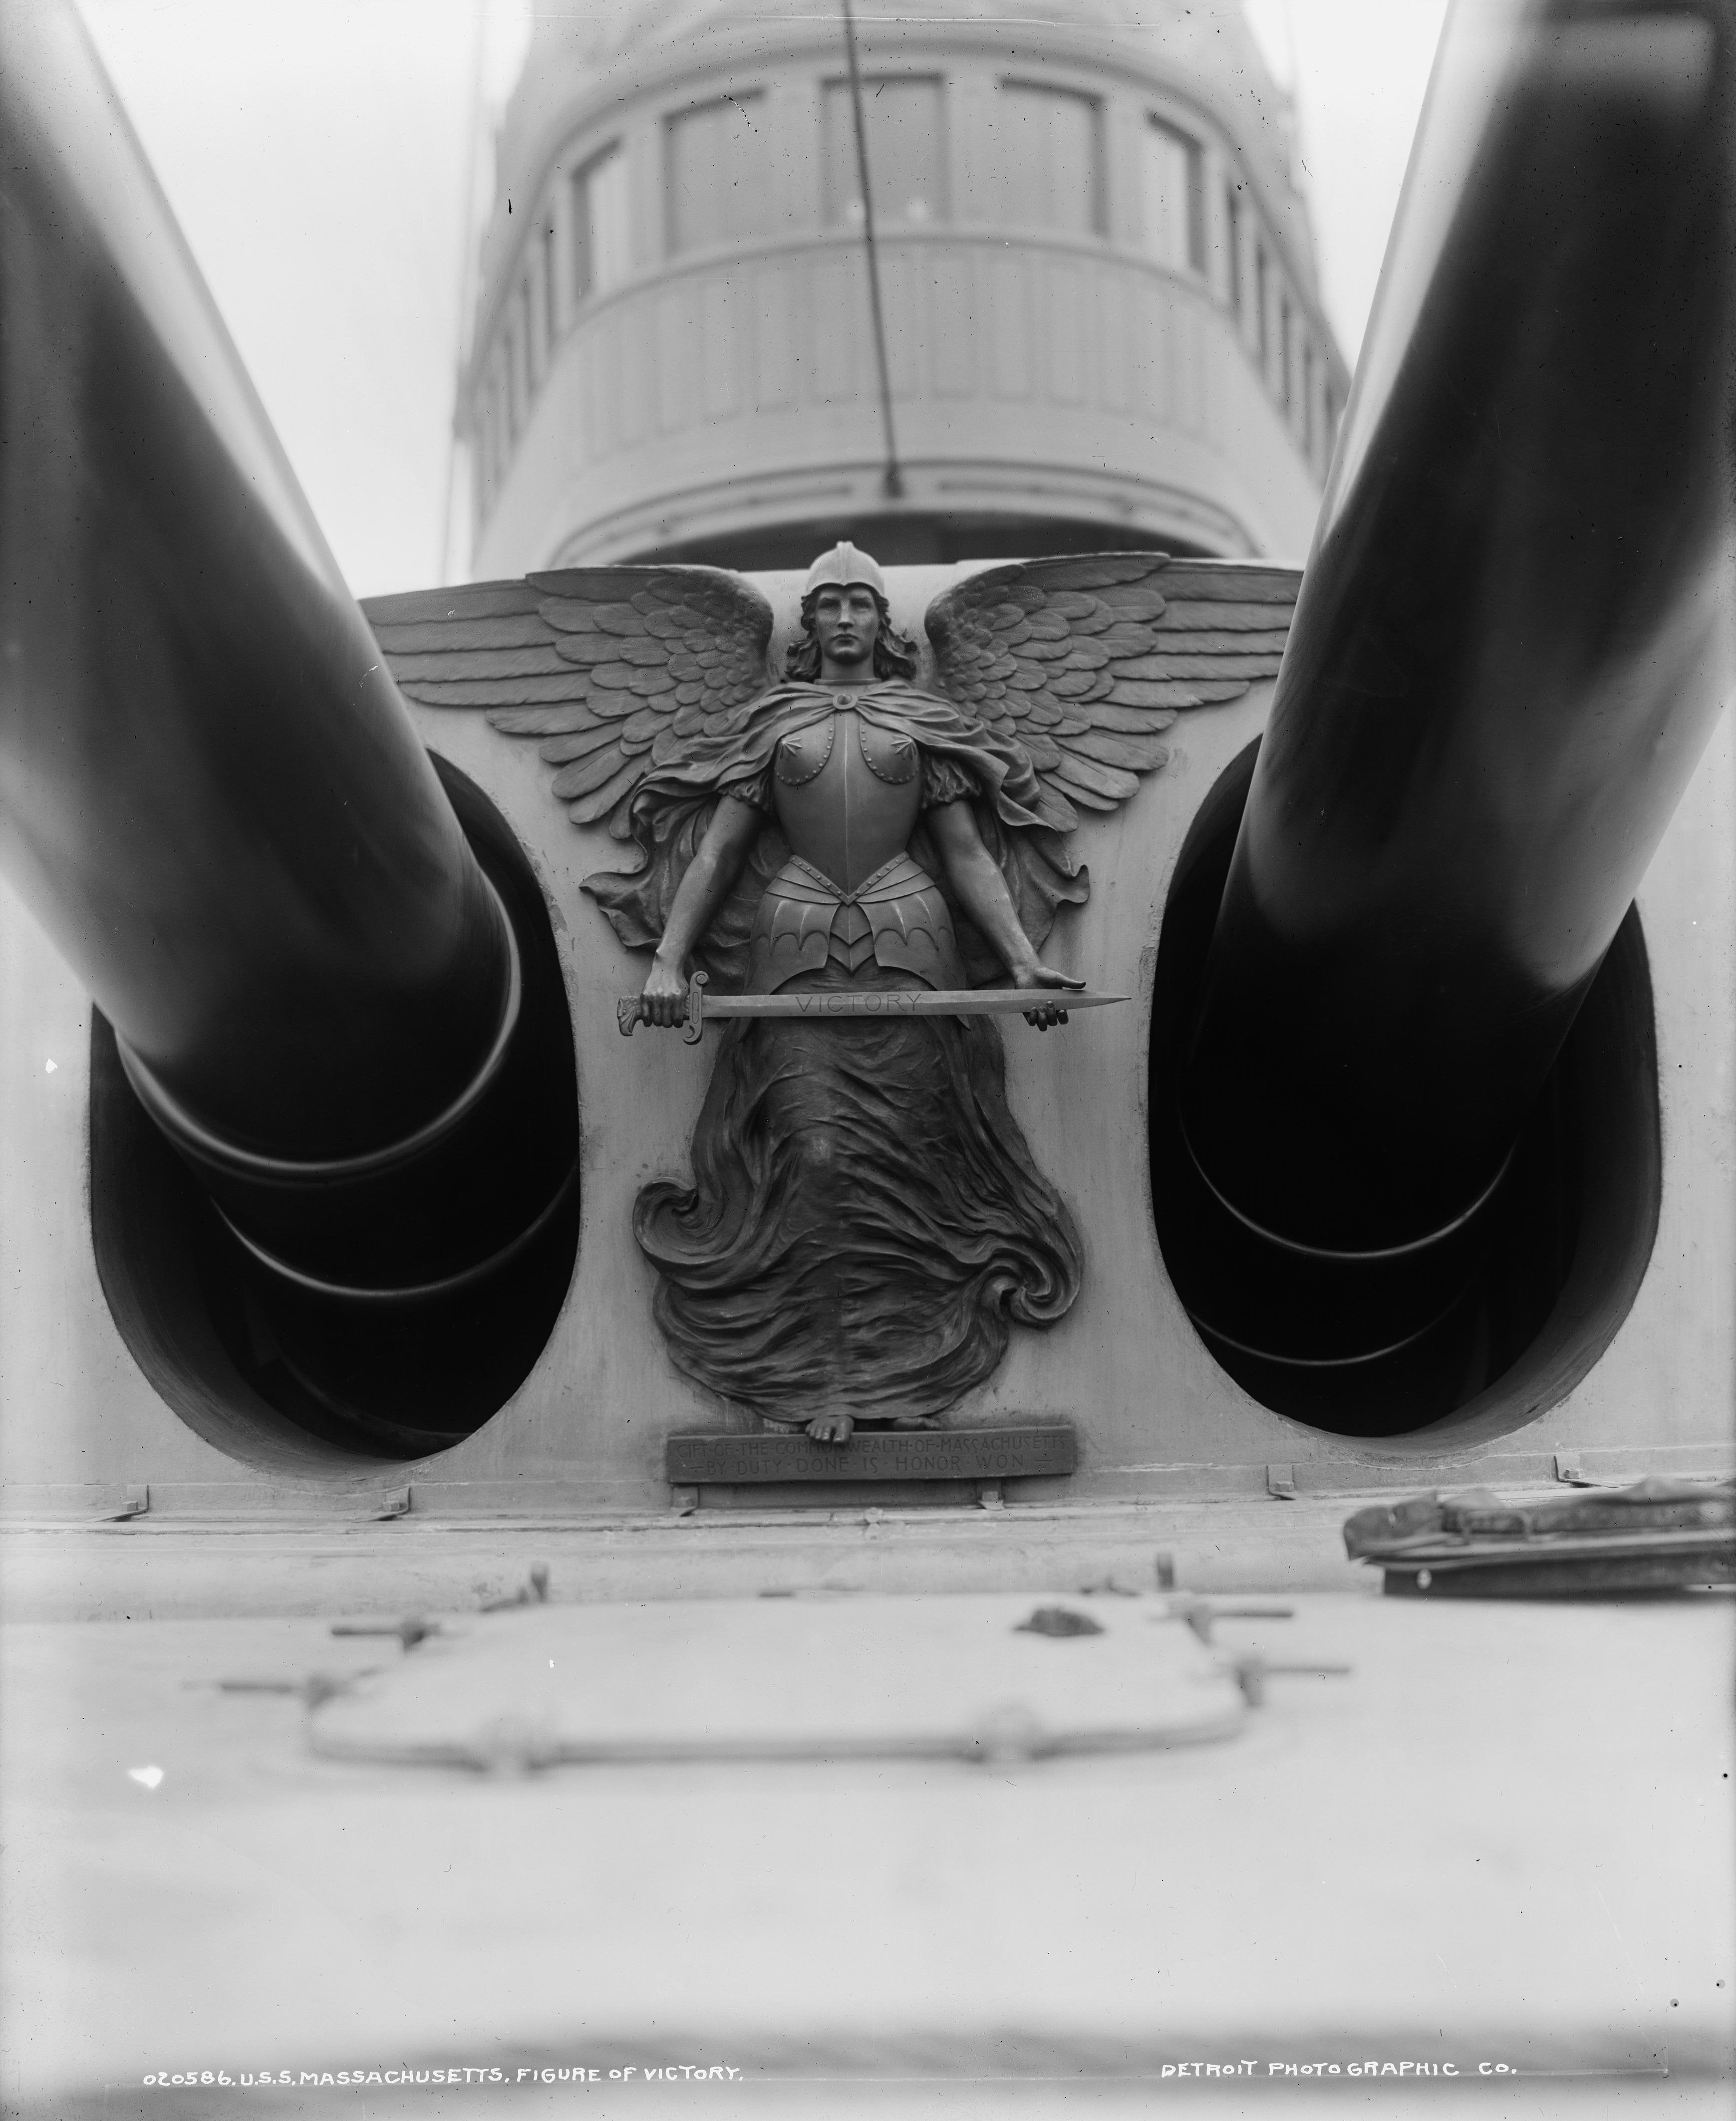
(694,1030)
(630,1011)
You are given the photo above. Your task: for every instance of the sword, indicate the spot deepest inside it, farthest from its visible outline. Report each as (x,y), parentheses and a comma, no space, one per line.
(827,1005)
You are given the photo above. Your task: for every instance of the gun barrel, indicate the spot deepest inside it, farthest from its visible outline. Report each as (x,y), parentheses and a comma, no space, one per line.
(339,1003)
(1514,635)
(213,797)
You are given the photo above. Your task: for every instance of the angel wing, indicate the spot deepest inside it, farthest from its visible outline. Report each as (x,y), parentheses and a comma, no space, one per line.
(1085,662)
(614,668)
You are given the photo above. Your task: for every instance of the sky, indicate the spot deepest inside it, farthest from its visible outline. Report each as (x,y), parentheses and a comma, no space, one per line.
(330,161)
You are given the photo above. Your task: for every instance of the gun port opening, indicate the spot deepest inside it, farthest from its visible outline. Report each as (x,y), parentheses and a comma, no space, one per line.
(1494,1327)
(285,1374)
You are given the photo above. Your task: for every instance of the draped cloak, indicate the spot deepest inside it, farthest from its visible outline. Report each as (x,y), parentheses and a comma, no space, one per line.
(865,1218)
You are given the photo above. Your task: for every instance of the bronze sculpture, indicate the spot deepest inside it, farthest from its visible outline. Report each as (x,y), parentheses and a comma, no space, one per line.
(865,1216)
(866,1222)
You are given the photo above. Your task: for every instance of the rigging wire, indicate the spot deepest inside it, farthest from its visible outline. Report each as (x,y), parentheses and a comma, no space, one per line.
(891,482)
(468,260)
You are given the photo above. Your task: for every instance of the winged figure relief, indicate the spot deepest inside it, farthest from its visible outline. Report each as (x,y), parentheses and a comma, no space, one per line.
(865,1221)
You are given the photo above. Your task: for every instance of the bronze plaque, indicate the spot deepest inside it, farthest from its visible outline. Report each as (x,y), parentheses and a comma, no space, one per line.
(922,1454)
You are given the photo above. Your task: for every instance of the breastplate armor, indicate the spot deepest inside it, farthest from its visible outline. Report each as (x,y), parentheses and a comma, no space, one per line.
(847,793)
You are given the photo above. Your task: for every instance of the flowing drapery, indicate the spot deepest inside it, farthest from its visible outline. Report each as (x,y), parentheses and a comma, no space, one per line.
(866,1222)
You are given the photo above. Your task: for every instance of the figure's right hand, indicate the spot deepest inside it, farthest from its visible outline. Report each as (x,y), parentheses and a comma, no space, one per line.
(664,1001)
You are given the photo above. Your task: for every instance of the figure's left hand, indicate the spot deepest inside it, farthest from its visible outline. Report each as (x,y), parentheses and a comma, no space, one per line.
(1040,976)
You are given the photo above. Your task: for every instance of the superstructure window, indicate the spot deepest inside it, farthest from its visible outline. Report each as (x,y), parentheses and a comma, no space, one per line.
(1310,436)
(542,304)
(905,131)
(718,170)
(1232,225)
(1173,179)
(599,224)
(1264,301)
(1296,371)
(518,360)
(1045,160)
(491,439)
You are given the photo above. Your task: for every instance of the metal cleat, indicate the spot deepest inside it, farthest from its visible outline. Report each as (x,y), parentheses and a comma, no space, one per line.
(1202,1614)
(409,1632)
(317,1688)
(532,1592)
(1252,1673)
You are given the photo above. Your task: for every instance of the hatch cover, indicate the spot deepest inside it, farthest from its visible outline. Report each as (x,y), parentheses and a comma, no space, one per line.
(985,1677)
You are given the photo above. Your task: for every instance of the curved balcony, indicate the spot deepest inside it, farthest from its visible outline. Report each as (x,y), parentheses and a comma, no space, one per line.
(1035,376)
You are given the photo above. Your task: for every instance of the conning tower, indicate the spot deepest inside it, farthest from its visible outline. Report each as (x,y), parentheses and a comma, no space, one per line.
(1103,328)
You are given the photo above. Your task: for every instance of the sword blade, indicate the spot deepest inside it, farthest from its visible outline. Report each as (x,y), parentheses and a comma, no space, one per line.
(825,1004)
(915,1001)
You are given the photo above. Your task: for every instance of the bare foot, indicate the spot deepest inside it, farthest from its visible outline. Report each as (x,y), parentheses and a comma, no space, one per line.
(915,1421)
(831,1427)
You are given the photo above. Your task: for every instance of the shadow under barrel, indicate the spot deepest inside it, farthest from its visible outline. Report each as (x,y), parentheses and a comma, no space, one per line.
(1514,635)
(214,799)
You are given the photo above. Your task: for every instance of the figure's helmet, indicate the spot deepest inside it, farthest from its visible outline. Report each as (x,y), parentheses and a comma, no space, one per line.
(842,567)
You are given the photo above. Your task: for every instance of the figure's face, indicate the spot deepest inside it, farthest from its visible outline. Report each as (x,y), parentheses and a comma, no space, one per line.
(846,622)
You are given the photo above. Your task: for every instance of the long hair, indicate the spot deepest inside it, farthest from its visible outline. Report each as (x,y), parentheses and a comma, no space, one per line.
(895,654)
